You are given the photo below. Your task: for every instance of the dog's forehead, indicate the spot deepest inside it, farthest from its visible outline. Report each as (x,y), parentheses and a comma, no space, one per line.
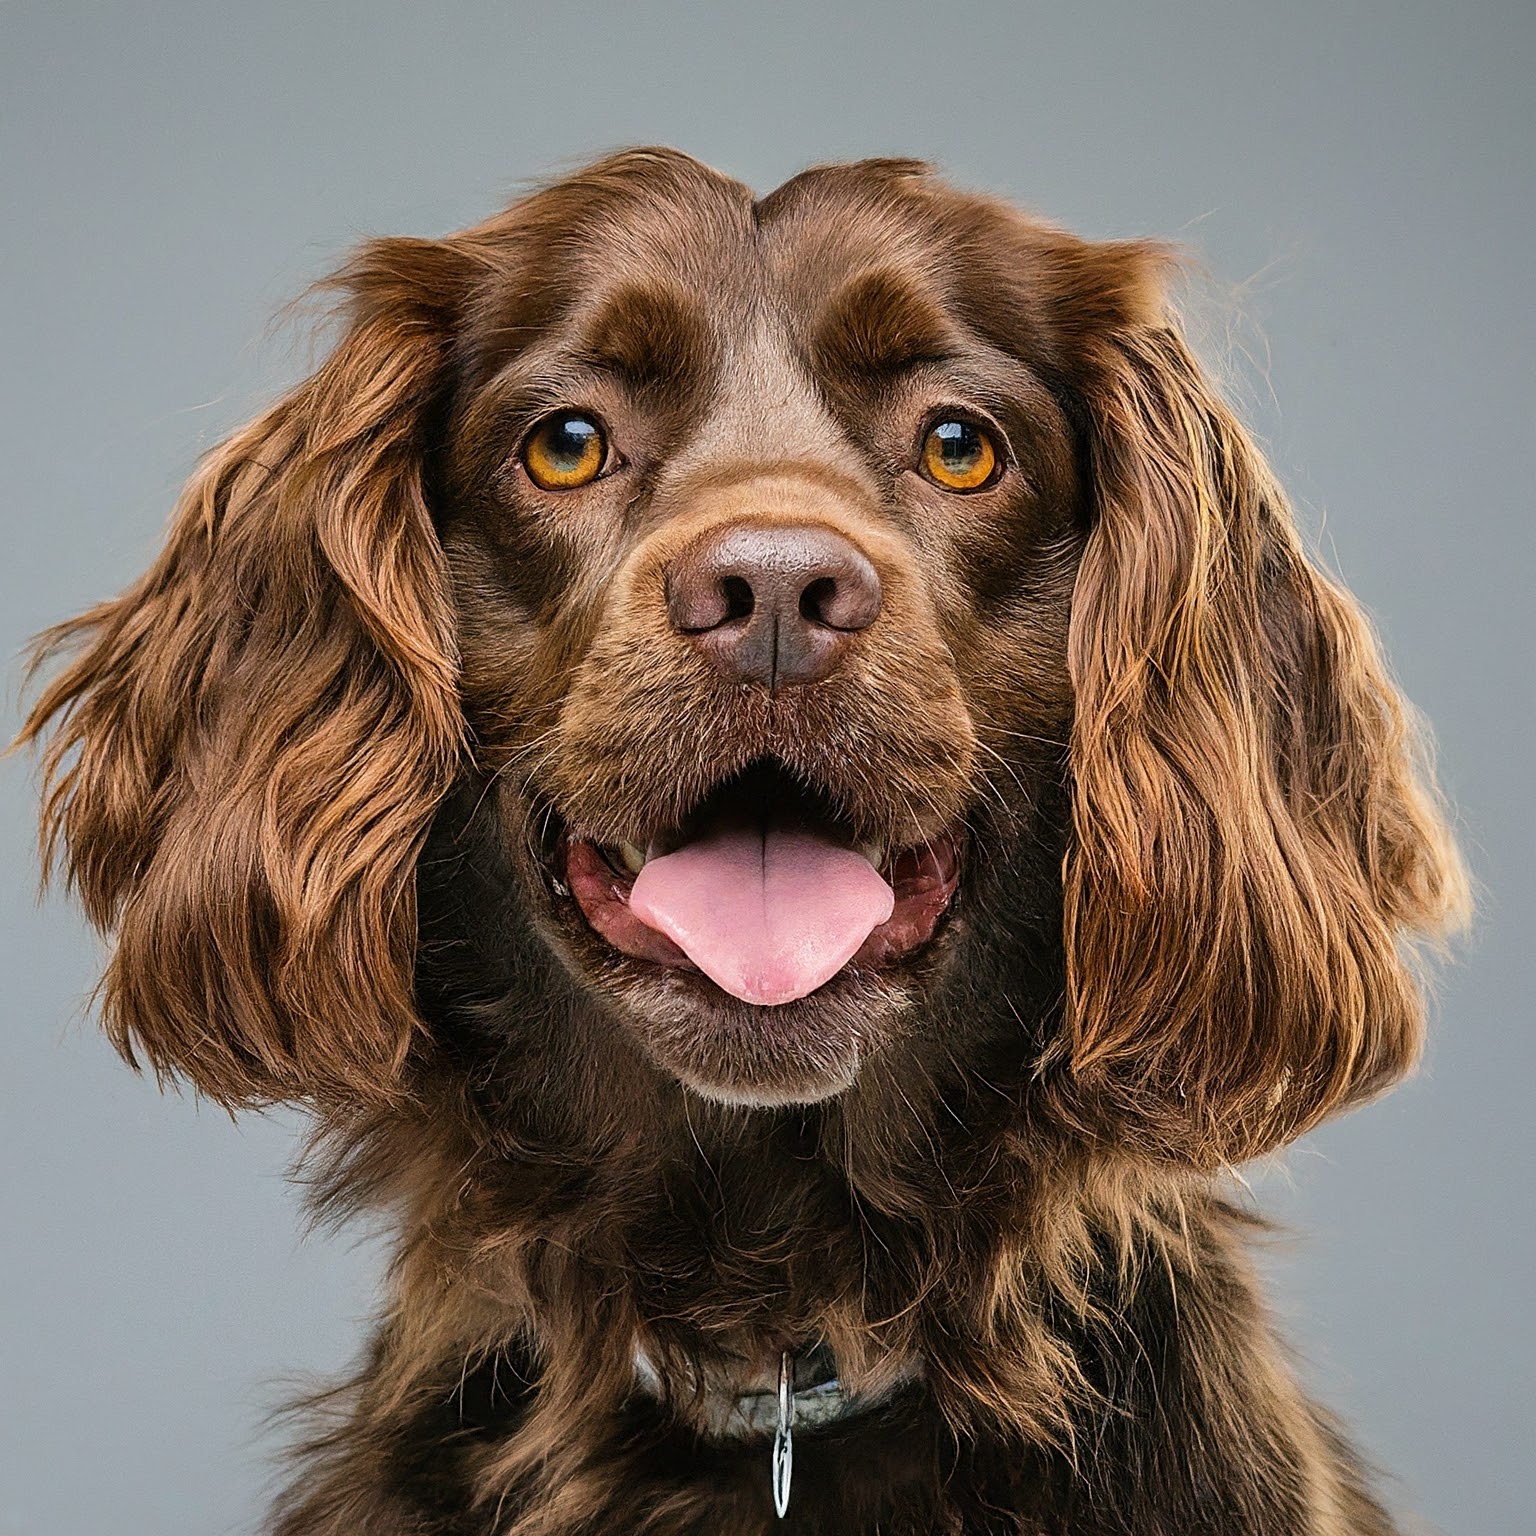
(653,215)
(794,256)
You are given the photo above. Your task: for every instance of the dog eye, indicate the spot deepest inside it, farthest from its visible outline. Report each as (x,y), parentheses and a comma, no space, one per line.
(564,451)
(958,456)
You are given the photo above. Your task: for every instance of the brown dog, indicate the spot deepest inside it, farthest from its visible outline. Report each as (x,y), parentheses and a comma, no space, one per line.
(774,772)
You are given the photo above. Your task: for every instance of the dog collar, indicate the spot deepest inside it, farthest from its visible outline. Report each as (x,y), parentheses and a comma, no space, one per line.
(806,1394)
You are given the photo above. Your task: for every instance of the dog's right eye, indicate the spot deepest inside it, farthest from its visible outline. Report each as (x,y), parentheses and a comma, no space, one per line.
(564,451)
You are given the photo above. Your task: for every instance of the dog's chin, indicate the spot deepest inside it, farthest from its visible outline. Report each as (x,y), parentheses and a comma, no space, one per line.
(742,1054)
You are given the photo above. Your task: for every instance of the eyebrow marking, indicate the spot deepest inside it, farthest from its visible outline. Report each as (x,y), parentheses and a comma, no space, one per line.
(883,322)
(650,336)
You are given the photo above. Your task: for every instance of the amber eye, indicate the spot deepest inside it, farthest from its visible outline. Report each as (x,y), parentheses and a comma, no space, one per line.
(565,450)
(958,456)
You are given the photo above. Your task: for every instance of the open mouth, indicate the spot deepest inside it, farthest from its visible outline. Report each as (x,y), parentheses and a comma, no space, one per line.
(764,889)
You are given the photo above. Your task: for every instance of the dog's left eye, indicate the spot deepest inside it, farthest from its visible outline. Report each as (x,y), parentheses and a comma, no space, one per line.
(564,451)
(959,456)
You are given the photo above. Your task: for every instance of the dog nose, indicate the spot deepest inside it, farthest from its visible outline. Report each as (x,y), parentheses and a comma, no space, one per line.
(773,605)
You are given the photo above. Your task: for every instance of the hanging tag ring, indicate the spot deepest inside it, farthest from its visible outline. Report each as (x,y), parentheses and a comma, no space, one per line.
(783,1440)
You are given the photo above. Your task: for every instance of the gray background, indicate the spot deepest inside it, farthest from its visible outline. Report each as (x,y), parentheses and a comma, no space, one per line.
(1357,180)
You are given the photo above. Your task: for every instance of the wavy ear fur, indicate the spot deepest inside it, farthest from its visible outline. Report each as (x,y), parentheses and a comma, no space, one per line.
(246,747)
(1254,834)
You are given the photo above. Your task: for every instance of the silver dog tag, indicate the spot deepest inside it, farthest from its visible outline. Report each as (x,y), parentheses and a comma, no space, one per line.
(783,1435)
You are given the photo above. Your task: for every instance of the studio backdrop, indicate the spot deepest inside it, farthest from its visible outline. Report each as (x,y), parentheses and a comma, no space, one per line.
(1354,185)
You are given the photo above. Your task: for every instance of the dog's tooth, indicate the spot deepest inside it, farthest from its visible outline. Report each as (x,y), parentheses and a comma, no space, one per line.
(632,857)
(874,852)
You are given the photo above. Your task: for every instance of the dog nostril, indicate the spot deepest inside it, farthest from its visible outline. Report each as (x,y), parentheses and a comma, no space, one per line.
(847,598)
(739,598)
(816,600)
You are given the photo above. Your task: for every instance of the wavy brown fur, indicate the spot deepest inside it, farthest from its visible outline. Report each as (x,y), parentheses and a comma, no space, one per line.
(306,772)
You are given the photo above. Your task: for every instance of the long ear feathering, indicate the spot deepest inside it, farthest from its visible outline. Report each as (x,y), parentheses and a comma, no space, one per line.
(1256,837)
(244,750)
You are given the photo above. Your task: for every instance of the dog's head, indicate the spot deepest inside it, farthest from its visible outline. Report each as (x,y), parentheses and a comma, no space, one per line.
(833,595)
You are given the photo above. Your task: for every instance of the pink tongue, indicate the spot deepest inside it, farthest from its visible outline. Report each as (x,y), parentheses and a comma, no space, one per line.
(769,916)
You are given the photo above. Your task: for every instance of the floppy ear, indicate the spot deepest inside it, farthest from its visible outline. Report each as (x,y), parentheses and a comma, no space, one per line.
(1253,833)
(246,748)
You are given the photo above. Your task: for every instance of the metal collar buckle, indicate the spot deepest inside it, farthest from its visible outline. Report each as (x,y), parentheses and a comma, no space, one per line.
(783,1435)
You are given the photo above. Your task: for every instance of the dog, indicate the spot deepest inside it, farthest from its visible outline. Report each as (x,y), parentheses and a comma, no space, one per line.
(777,777)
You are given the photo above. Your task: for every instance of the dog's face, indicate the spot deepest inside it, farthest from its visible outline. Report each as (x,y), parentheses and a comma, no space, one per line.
(762,544)
(833,593)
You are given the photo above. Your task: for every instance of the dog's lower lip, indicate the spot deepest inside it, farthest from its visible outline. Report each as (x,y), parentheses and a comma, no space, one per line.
(923,877)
